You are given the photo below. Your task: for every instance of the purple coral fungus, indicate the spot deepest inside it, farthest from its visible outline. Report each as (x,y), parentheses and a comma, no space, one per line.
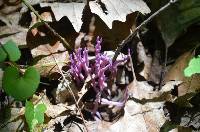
(81,68)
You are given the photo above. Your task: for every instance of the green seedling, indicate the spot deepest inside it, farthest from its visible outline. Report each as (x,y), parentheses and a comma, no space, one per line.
(34,114)
(9,50)
(15,83)
(193,67)
(18,85)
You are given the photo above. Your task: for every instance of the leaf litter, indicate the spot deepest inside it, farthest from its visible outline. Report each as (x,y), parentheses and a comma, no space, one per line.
(143,111)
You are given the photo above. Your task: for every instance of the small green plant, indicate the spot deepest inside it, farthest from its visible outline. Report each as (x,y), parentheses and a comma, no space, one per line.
(34,114)
(193,67)
(18,84)
(9,50)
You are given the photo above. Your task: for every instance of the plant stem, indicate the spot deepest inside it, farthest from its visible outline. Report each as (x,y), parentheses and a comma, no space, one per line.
(130,37)
(47,25)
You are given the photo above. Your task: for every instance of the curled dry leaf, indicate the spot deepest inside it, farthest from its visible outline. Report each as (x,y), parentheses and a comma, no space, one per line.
(110,10)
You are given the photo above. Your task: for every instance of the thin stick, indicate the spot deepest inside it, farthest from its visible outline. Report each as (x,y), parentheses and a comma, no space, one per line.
(132,35)
(132,68)
(47,25)
(162,74)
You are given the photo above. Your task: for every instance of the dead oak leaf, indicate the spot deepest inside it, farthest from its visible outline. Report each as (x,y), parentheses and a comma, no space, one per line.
(110,10)
(72,10)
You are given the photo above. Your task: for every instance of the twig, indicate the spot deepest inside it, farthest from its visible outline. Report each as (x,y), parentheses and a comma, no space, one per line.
(47,25)
(162,74)
(132,68)
(132,35)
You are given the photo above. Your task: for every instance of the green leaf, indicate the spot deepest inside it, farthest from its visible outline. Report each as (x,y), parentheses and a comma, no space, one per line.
(39,112)
(193,67)
(33,124)
(29,113)
(34,115)
(173,21)
(12,50)
(3,55)
(20,86)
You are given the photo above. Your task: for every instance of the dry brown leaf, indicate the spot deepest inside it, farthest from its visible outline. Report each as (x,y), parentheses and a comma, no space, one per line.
(176,73)
(61,94)
(10,7)
(144,58)
(55,110)
(143,113)
(12,30)
(117,9)
(52,111)
(14,34)
(111,37)
(72,10)
(12,121)
(45,54)
(47,65)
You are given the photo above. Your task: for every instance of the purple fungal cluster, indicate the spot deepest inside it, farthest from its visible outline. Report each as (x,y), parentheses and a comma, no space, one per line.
(98,70)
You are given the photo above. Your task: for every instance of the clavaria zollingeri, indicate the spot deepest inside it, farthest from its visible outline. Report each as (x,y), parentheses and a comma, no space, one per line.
(99,71)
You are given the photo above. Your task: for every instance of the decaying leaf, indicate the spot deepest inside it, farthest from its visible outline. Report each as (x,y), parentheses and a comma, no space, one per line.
(145,59)
(52,111)
(46,54)
(185,13)
(72,10)
(143,112)
(176,72)
(11,120)
(15,34)
(183,114)
(110,10)
(61,94)
(12,30)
